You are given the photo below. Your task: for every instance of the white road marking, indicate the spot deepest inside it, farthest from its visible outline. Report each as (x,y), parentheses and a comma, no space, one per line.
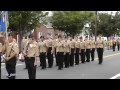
(116,76)
(109,56)
(19,64)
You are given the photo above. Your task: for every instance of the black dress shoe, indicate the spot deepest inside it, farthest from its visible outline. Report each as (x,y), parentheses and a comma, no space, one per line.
(59,68)
(87,61)
(43,68)
(50,67)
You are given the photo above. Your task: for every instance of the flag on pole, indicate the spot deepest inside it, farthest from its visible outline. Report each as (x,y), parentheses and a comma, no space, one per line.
(4,22)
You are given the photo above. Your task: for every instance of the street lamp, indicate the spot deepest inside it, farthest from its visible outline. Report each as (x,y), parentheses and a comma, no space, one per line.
(95,25)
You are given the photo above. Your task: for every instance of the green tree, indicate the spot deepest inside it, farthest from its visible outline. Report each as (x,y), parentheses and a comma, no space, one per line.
(108,24)
(25,21)
(72,22)
(117,22)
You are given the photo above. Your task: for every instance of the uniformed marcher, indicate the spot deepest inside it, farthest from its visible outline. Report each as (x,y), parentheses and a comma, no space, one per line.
(37,53)
(0,46)
(30,53)
(60,53)
(55,41)
(11,50)
(82,49)
(0,55)
(50,46)
(93,46)
(88,49)
(23,45)
(72,47)
(43,52)
(114,44)
(1,36)
(77,51)
(118,44)
(66,53)
(100,48)
(0,50)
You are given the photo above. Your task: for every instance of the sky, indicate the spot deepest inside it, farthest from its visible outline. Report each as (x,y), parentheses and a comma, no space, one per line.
(113,12)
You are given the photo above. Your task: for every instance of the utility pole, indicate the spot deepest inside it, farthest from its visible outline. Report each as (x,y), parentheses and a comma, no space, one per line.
(95,25)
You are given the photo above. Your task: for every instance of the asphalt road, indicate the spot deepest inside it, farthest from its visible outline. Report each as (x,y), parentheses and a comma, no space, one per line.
(110,69)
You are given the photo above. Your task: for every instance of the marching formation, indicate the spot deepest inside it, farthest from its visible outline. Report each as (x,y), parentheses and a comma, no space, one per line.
(67,51)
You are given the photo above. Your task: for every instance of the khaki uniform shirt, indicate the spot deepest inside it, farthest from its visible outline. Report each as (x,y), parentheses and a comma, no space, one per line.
(11,48)
(66,46)
(37,46)
(118,42)
(49,43)
(93,44)
(42,46)
(82,45)
(88,44)
(77,44)
(100,43)
(55,41)
(72,44)
(0,47)
(31,49)
(60,47)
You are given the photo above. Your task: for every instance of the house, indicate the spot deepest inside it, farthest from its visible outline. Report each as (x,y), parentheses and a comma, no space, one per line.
(44,30)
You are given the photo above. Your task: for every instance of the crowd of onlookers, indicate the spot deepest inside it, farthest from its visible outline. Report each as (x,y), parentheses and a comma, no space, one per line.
(113,44)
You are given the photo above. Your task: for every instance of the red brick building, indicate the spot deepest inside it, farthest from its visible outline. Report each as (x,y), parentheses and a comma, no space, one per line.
(45,30)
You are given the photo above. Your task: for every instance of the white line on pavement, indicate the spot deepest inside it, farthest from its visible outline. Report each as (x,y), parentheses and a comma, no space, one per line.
(109,56)
(116,76)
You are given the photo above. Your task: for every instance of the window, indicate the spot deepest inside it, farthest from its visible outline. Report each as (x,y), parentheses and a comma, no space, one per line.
(51,34)
(39,34)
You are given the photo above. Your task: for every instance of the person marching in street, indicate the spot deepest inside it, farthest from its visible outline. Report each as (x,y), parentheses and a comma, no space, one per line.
(60,53)
(43,52)
(23,45)
(82,49)
(0,46)
(11,50)
(77,51)
(114,44)
(88,49)
(100,44)
(50,46)
(55,42)
(30,52)
(37,53)
(72,47)
(118,44)
(66,53)
(0,51)
(93,46)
